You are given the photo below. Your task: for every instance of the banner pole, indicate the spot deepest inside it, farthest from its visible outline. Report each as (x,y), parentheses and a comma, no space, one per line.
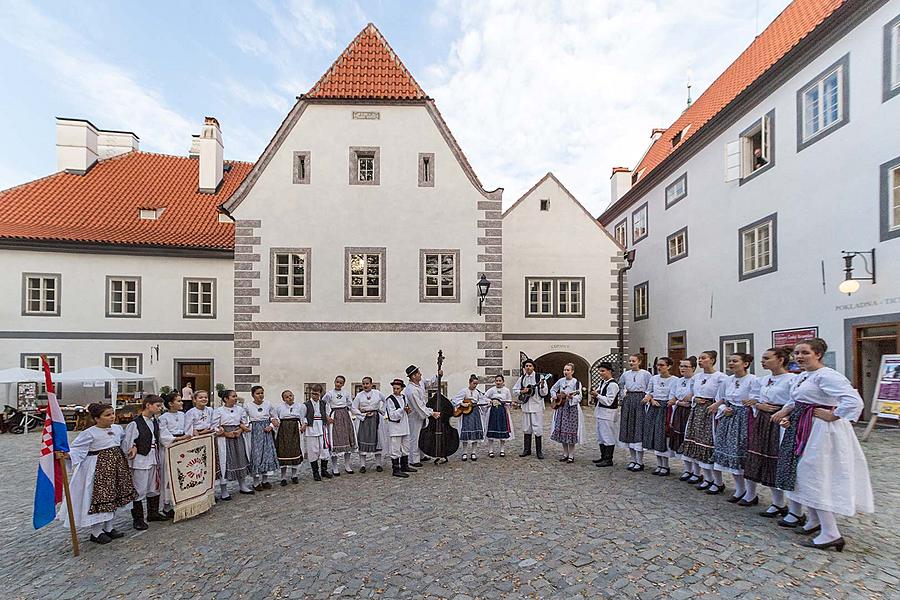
(61,463)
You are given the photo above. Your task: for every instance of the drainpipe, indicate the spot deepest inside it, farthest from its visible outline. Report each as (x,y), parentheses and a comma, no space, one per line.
(629,257)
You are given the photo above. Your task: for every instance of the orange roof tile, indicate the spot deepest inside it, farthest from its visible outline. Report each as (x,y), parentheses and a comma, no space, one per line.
(102,206)
(368,69)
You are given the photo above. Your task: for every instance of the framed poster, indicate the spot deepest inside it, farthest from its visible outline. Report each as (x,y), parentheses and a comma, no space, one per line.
(792,337)
(886,399)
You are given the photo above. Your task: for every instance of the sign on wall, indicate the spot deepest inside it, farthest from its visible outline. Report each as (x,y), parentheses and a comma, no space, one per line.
(792,337)
(886,399)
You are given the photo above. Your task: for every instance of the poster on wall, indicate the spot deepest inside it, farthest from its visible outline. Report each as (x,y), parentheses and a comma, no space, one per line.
(792,337)
(886,401)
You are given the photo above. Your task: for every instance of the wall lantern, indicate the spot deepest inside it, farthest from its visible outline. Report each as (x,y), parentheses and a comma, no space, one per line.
(850,284)
(483,286)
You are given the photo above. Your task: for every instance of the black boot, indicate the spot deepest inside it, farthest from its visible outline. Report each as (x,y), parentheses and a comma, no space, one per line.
(325,472)
(315,470)
(527,450)
(137,515)
(404,465)
(396,469)
(537,447)
(153,509)
(606,453)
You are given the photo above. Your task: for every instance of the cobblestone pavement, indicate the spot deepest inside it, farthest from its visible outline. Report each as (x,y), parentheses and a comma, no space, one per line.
(499,528)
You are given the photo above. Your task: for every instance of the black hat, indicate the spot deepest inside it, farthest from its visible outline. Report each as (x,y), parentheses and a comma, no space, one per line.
(527,361)
(399,382)
(411,370)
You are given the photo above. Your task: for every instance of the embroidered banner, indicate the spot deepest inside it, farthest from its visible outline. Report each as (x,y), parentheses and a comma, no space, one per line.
(191,471)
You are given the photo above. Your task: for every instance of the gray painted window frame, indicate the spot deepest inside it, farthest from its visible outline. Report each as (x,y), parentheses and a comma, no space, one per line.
(307,278)
(423,252)
(423,182)
(554,298)
(773,243)
(634,238)
(681,332)
(176,380)
(771,139)
(58,311)
(43,386)
(138,293)
(382,283)
(733,338)
(671,259)
(885,202)
(184,297)
(140,367)
(646,287)
(844,64)
(355,153)
(304,156)
(623,222)
(888,64)
(669,204)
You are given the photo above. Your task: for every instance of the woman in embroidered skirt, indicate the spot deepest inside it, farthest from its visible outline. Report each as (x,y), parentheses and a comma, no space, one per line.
(470,428)
(287,438)
(500,427)
(568,420)
(698,433)
(655,410)
(680,395)
(263,457)
(368,407)
(231,423)
(342,432)
(633,385)
(827,471)
(101,482)
(741,391)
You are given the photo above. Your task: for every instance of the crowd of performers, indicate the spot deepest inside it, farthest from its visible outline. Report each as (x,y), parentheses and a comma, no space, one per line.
(791,433)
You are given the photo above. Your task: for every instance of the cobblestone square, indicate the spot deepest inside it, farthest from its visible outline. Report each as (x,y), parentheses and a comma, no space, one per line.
(499,528)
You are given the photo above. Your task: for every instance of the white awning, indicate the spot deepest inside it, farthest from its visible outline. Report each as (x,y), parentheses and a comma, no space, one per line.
(104,374)
(20,375)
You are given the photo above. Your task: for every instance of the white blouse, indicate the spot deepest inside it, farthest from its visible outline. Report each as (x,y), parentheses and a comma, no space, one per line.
(259,412)
(288,411)
(236,415)
(681,388)
(709,385)
(196,419)
(776,389)
(738,389)
(141,461)
(94,439)
(337,399)
(570,386)
(660,386)
(371,401)
(474,395)
(827,387)
(635,381)
(499,394)
(171,425)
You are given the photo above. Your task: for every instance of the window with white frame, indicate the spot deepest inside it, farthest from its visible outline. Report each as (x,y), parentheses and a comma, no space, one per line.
(40,294)
(677,245)
(621,232)
(676,190)
(290,274)
(199,298)
(894,193)
(890,200)
(758,248)
(895,56)
(439,275)
(33,362)
(735,344)
(891,76)
(364,276)
(639,224)
(540,297)
(569,297)
(823,103)
(123,296)
(641,298)
(365,165)
(126,362)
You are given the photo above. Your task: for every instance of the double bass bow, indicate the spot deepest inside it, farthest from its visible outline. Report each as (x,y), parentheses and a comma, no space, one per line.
(439,438)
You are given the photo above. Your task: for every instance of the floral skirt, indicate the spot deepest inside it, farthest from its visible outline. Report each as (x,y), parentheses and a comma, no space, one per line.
(343,438)
(698,435)
(632,424)
(679,423)
(731,441)
(763,444)
(263,458)
(113,486)
(565,425)
(654,428)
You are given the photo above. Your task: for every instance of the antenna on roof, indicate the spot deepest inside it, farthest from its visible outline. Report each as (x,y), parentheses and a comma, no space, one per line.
(689,73)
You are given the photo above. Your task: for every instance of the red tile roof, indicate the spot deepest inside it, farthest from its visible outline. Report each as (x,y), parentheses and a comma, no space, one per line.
(368,69)
(102,206)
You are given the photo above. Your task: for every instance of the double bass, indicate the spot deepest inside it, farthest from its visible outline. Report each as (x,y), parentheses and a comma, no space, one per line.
(439,438)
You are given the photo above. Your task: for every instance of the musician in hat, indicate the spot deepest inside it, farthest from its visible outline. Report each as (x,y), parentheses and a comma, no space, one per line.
(529,392)
(416,395)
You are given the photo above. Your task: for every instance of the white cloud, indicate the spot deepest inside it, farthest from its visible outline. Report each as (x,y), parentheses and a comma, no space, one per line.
(250,43)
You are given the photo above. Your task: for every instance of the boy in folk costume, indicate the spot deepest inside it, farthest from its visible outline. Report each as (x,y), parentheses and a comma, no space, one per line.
(397,416)
(529,392)
(606,413)
(287,440)
(368,407)
(316,419)
(500,427)
(141,444)
(417,398)
(342,432)
(470,427)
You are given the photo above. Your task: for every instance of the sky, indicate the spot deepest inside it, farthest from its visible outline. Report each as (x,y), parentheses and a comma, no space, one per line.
(527,87)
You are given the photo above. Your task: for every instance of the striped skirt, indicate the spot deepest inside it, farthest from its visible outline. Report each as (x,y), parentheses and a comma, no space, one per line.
(731,441)
(343,438)
(762,449)
(698,435)
(236,465)
(654,428)
(287,443)
(632,423)
(368,434)
(263,458)
(680,417)
(470,429)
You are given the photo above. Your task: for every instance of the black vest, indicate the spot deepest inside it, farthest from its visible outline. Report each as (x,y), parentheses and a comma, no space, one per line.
(145,438)
(310,411)
(603,387)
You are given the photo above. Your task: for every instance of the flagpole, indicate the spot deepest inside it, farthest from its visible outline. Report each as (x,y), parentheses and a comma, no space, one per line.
(61,463)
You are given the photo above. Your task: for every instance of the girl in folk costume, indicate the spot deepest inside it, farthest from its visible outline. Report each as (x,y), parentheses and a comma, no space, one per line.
(765,434)
(655,412)
(698,433)
(397,415)
(287,439)
(605,414)
(316,420)
(633,385)
(470,428)
(529,392)
(827,470)
(231,423)
(263,458)
(342,431)
(741,391)
(171,430)
(500,427)
(101,482)
(141,444)
(568,421)
(680,395)
(199,419)
(368,407)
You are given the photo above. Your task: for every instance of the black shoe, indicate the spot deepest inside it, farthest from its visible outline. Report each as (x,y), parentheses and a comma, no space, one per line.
(362,469)
(837,544)
(224,498)
(247,492)
(405,466)
(266,485)
(153,514)
(538,450)
(137,515)
(336,473)
(734,499)
(694,480)
(258,488)
(526,451)
(638,467)
(597,461)
(465,457)
(703,485)
(295,479)
(801,520)
(685,476)
(491,454)
(315,470)
(812,531)
(570,460)
(564,459)
(379,468)
(753,502)
(664,472)
(396,469)
(283,483)
(656,471)
(782,510)
(113,534)
(325,472)
(415,464)
(717,491)
(101,539)
(139,525)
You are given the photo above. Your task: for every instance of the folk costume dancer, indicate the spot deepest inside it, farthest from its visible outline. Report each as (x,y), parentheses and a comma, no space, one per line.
(484,409)
(141,444)
(342,430)
(316,435)
(633,385)
(654,422)
(416,392)
(827,472)
(287,438)
(368,408)
(470,424)
(699,443)
(733,418)
(681,395)
(263,458)
(568,420)
(605,414)
(231,423)
(529,392)
(500,426)
(171,429)
(397,414)
(199,419)
(101,481)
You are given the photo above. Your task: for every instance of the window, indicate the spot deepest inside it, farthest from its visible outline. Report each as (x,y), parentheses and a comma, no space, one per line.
(823,105)
(40,294)
(676,190)
(364,275)
(732,344)
(890,200)
(150,214)
(554,297)
(289,275)
(639,224)
(301,167)
(677,246)
(33,362)
(621,232)
(757,248)
(426,169)
(123,296)
(540,297)
(642,301)
(439,276)
(545,204)
(199,298)
(126,362)
(757,148)
(569,297)
(365,164)
(891,59)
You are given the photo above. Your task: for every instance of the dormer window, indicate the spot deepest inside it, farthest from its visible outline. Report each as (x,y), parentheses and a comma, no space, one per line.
(150,214)
(680,135)
(223,218)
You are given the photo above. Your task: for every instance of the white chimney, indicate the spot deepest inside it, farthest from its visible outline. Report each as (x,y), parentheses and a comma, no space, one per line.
(76,145)
(211,156)
(620,182)
(114,143)
(194,152)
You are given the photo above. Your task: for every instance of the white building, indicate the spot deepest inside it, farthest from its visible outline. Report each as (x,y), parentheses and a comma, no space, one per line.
(121,259)
(559,283)
(739,212)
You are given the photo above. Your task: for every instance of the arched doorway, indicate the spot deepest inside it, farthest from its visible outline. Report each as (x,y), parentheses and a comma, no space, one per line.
(554,362)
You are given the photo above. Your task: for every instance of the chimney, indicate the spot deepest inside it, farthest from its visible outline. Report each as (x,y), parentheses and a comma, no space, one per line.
(211,159)
(194,152)
(114,143)
(656,134)
(619,183)
(76,145)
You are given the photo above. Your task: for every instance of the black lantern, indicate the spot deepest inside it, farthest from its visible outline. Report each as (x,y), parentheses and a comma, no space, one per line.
(483,286)
(850,283)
